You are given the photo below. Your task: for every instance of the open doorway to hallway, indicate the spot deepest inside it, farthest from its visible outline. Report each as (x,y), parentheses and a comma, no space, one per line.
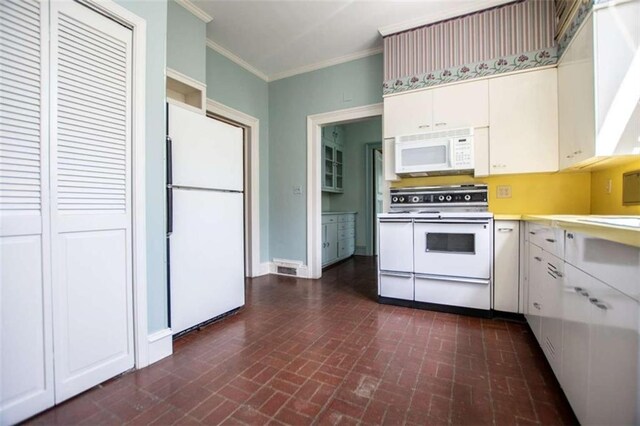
(347,165)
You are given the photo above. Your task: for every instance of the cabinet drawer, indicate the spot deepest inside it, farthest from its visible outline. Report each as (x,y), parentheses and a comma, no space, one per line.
(346,233)
(396,285)
(616,264)
(345,226)
(549,239)
(347,218)
(346,248)
(468,293)
(329,218)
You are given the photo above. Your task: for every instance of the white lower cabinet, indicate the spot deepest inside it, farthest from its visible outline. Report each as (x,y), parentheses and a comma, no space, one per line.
(506,274)
(338,236)
(587,328)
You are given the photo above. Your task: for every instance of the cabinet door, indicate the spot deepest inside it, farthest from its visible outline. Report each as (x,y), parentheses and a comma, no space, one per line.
(461,105)
(575,340)
(328,158)
(523,123)
(332,241)
(534,306)
(505,266)
(613,364)
(325,250)
(551,323)
(408,113)
(576,99)
(338,169)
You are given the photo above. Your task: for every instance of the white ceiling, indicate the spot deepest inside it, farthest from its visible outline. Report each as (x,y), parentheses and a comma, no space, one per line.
(276,38)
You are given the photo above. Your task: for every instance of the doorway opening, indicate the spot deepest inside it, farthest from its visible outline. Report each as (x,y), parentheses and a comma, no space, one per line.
(342,199)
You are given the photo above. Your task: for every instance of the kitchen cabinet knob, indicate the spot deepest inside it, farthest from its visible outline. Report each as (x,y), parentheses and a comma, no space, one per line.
(539,259)
(569,156)
(424,126)
(505,229)
(440,124)
(532,233)
(536,305)
(551,240)
(577,152)
(570,236)
(598,303)
(559,274)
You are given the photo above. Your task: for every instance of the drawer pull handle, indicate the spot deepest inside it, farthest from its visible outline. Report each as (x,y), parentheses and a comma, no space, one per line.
(581,291)
(598,303)
(570,236)
(539,259)
(505,229)
(551,240)
(424,126)
(536,305)
(532,233)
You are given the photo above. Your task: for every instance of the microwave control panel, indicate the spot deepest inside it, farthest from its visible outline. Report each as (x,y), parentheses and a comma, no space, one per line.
(462,157)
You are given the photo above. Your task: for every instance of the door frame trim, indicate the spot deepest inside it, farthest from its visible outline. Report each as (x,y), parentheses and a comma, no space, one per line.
(138,27)
(369,213)
(314,175)
(252,185)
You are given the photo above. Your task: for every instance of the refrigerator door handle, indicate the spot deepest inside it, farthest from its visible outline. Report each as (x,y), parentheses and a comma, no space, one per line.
(169,186)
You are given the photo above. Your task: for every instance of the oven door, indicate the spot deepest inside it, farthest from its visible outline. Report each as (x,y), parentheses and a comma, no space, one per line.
(454,248)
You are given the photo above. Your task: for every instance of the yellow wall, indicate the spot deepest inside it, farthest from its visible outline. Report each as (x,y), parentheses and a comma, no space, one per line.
(540,193)
(604,203)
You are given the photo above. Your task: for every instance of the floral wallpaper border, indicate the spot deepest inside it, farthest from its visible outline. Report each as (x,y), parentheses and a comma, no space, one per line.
(495,66)
(577,20)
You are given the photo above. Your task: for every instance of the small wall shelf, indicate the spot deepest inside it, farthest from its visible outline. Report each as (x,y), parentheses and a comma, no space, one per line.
(186,92)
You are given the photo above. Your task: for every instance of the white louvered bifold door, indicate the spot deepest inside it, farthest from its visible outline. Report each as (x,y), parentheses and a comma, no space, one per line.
(91,197)
(26,353)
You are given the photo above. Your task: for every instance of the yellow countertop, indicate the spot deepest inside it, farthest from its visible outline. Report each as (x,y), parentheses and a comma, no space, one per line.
(619,234)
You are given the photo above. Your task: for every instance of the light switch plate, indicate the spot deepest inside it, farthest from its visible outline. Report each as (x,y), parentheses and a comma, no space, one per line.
(503,191)
(297,190)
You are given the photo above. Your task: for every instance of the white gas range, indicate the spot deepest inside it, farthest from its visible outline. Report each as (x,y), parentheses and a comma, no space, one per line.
(435,249)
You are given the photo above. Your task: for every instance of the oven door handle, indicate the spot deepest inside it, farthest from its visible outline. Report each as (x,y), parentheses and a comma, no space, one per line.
(453,221)
(453,279)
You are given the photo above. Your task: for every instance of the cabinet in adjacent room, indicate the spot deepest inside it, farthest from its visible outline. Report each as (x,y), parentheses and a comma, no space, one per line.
(338,236)
(332,165)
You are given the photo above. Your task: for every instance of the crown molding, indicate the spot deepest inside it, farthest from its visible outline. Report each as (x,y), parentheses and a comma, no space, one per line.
(195,10)
(325,64)
(479,5)
(238,60)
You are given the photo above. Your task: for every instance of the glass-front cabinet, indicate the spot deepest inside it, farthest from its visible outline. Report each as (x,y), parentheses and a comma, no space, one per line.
(332,160)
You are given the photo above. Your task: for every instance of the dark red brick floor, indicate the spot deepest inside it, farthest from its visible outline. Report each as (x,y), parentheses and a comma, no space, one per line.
(324,352)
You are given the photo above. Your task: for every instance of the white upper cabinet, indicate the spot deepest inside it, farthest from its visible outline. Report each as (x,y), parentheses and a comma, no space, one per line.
(461,105)
(450,107)
(599,89)
(523,123)
(408,113)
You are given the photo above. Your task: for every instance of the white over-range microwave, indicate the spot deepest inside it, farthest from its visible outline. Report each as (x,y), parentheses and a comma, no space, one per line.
(435,153)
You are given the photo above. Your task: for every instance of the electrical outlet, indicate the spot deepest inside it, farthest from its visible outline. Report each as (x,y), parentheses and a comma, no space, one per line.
(503,191)
(297,190)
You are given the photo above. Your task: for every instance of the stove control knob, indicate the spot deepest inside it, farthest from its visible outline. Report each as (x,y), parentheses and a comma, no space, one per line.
(415,199)
(440,197)
(467,197)
(394,199)
(448,197)
(402,199)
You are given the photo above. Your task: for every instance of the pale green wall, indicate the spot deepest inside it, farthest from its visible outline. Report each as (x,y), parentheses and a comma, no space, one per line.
(291,100)
(235,87)
(186,42)
(354,198)
(155,13)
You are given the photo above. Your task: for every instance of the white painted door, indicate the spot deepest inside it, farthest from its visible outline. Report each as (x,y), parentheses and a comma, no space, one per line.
(90,197)
(26,351)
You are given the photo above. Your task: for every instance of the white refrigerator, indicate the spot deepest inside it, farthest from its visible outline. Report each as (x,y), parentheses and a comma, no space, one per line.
(205,218)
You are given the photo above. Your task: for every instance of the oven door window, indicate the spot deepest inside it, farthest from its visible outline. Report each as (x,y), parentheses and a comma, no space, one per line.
(447,242)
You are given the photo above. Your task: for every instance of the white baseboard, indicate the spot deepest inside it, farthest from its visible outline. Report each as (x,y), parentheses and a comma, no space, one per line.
(160,345)
(264,269)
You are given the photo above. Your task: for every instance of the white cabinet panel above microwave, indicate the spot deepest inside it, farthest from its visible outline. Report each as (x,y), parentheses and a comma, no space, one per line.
(461,105)
(408,113)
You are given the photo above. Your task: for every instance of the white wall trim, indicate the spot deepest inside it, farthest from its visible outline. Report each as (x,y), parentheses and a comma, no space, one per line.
(327,63)
(170,72)
(238,60)
(139,27)
(195,10)
(253,184)
(478,5)
(314,178)
(160,345)
(265,268)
